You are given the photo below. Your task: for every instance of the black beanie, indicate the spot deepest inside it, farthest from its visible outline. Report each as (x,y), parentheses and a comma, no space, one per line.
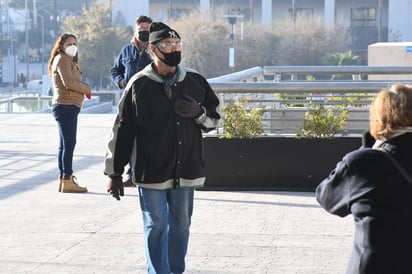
(159,31)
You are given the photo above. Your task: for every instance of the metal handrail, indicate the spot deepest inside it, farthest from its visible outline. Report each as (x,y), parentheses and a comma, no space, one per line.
(252,81)
(302,87)
(270,70)
(234,82)
(288,119)
(8,101)
(255,73)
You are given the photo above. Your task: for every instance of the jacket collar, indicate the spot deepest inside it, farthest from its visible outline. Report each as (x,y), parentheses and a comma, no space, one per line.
(396,133)
(153,75)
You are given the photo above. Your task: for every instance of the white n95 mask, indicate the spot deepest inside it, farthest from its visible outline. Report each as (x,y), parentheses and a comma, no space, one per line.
(71,50)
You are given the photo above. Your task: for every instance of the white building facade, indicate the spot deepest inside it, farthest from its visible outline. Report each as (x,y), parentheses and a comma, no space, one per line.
(393,16)
(370,21)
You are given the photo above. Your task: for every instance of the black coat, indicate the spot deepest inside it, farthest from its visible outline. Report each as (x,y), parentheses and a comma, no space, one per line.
(166,150)
(368,186)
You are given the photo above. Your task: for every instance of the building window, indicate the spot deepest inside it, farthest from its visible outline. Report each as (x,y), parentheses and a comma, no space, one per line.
(363,17)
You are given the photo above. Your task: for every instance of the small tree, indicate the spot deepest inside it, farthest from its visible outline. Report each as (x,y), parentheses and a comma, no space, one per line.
(203,34)
(99,40)
(322,122)
(249,53)
(307,41)
(240,123)
(342,59)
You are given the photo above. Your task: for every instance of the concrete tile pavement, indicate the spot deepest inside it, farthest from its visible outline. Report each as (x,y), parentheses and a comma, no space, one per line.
(43,231)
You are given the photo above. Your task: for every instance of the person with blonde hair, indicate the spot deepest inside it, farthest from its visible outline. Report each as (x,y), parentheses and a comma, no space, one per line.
(368,185)
(68,94)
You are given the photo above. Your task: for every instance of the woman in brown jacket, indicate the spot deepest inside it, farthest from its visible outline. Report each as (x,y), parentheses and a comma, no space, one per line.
(68,96)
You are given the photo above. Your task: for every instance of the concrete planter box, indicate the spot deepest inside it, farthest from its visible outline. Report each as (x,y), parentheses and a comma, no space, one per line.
(272,163)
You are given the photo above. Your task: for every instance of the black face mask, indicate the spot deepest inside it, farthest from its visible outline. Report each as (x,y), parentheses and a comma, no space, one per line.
(144,35)
(171,59)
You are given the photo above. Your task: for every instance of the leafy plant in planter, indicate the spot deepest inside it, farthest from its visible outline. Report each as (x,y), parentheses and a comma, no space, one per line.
(241,162)
(241,123)
(322,122)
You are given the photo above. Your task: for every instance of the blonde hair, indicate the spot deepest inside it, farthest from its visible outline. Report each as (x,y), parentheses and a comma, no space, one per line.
(390,110)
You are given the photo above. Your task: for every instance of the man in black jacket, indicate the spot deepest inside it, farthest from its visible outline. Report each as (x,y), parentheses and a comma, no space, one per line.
(161,116)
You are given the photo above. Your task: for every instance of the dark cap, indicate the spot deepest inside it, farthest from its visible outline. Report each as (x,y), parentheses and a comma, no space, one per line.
(159,31)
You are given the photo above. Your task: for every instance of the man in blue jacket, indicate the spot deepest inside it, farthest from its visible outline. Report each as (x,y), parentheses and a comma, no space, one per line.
(132,58)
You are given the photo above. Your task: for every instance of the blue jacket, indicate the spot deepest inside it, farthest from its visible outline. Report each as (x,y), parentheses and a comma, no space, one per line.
(130,60)
(368,186)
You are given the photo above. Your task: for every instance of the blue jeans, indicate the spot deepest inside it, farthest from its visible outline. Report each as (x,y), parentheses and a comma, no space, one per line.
(66,117)
(166,222)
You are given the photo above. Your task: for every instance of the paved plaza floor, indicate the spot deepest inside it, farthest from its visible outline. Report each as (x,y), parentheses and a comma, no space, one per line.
(43,231)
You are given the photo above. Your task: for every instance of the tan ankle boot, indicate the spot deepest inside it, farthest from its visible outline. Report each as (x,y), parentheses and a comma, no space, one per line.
(60,183)
(70,186)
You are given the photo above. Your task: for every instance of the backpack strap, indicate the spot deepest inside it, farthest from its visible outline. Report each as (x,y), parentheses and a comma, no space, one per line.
(401,169)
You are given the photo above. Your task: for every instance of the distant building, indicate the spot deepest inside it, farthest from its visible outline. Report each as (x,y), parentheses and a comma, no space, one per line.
(370,21)
(126,11)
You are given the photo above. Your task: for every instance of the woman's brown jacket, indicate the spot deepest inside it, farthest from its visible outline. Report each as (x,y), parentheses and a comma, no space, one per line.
(67,81)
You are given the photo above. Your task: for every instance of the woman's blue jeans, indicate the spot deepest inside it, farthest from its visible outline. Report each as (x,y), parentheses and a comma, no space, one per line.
(66,117)
(166,222)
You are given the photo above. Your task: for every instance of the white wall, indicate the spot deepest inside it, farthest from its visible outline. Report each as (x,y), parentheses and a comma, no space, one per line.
(205,4)
(329,11)
(267,11)
(390,54)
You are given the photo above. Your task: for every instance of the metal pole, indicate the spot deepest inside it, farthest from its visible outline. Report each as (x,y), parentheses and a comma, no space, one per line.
(42,44)
(252,12)
(54,18)
(170,10)
(111,12)
(27,17)
(12,68)
(379,20)
(34,14)
(1,23)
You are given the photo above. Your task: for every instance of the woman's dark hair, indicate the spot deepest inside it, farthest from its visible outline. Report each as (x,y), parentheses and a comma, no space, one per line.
(58,48)
(143,19)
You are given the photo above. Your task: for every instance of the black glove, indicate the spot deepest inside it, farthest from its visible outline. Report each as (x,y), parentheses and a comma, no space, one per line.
(188,108)
(367,139)
(115,187)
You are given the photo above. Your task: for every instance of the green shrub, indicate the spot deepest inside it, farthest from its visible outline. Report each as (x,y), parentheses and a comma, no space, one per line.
(241,123)
(322,122)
